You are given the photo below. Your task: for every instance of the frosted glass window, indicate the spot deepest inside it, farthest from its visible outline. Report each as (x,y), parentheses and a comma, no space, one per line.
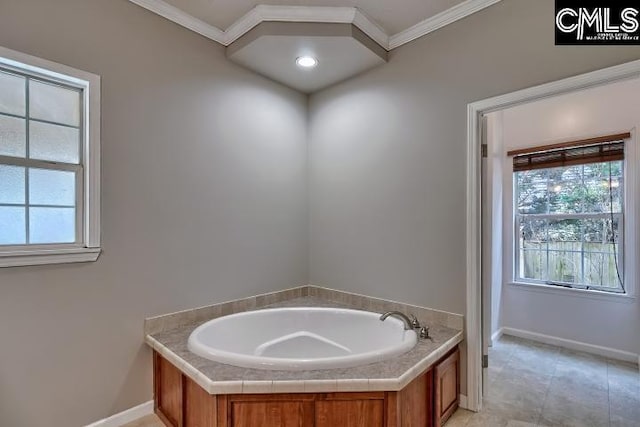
(12,136)
(54,103)
(52,187)
(54,143)
(12,225)
(12,185)
(52,225)
(12,94)
(49,162)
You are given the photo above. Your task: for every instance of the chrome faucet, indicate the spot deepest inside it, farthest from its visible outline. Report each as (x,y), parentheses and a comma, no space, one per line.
(409,323)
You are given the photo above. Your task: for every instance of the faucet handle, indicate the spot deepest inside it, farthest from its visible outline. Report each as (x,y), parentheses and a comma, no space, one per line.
(415,323)
(424,333)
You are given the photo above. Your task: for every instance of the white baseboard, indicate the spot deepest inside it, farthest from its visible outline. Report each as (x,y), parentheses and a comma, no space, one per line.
(497,334)
(462,401)
(125,417)
(611,353)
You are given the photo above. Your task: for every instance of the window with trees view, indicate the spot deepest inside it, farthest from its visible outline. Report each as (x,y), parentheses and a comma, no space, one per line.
(569,225)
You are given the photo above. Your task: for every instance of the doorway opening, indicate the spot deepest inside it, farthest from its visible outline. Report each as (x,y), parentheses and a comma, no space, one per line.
(567,247)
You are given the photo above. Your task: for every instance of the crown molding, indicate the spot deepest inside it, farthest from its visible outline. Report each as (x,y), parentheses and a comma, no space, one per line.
(370,28)
(242,26)
(326,14)
(180,17)
(323,14)
(449,16)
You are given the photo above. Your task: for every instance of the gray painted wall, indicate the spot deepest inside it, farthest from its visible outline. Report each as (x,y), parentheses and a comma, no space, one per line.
(204,200)
(204,189)
(388,150)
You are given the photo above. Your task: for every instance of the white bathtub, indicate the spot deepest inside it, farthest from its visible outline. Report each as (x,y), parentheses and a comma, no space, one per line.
(301,338)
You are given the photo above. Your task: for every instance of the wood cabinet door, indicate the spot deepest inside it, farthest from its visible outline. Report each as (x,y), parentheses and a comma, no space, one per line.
(168,391)
(350,410)
(416,402)
(200,409)
(270,413)
(447,387)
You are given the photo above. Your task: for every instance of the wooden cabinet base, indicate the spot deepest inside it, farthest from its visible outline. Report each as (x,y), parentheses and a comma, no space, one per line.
(446,387)
(179,402)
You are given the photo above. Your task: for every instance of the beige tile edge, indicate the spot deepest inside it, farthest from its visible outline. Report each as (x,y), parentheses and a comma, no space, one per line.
(163,322)
(428,361)
(445,318)
(156,324)
(304,386)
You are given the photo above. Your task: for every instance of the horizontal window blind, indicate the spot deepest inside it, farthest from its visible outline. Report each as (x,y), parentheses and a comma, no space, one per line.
(594,150)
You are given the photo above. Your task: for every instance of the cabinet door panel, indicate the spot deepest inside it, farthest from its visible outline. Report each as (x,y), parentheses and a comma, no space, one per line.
(272,414)
(350,413)
(447,387)
(199,406)
(416,403)
(168,390)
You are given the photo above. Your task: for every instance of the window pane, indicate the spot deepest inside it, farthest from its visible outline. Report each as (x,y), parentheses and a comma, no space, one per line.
(12,136)
(566,190)
(601,253)
(595,234)
(55,143)
(52,225)
(565,266)
(565,246)
(532,195)
(598,197)
(533,245)
(594,273)
(601,170)
(12,225)
(600,270)
(52,187)
(12,94)
(54,103)
(565,234)
(533,265)
(533,234)
(11,184)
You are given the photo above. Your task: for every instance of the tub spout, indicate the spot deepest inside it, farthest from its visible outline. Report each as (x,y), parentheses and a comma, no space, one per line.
(409,323)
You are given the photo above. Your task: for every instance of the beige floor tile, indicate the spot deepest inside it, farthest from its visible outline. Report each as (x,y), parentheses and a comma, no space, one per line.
(146,421)
(567,412)
(617,421)
(625,403)
(460,418)
(487,419)
(514,423)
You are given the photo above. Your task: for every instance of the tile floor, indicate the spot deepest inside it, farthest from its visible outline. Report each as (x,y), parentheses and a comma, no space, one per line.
(146,421)
(533,384)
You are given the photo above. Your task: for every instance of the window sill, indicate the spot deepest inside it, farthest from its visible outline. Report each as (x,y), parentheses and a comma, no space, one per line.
(48,256)
(581,293)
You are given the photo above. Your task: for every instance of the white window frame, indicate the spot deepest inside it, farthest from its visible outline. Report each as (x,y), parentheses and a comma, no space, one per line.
(630,234)
(88,247)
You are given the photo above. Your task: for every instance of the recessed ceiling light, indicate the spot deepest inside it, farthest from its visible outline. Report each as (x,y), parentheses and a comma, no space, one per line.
(306,61)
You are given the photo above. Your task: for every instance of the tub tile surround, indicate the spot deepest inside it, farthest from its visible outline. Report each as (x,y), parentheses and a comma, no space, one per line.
(289,297)
(153,325)
(169,334)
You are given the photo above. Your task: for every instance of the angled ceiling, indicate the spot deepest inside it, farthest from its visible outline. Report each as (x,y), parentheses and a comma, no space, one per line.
(341,51)
(389,23)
